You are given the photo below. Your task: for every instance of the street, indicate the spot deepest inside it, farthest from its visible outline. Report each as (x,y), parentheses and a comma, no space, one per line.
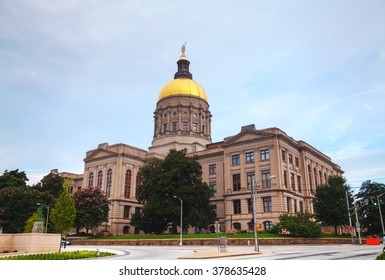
(294,252)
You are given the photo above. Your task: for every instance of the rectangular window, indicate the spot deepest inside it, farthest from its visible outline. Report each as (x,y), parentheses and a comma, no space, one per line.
(236,182)
(195,127)
(250,179)
(299,183)
(292,181)
(301,206)
(165,127)
(264,154)
(267,204)
(296,161)
(285,178)
(126,212)
(283,155)
(290,158)
(295,206)
(235,160)
(288,201)
(237,206)
(185,127)
(174,127)
(250,157)
(212,169)
(250,205)
(266,181)
(213,187)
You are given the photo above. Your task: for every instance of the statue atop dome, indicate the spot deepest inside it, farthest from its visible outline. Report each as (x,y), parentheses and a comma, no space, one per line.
(183,49)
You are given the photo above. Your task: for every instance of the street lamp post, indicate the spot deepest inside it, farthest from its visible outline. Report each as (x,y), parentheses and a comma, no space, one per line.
(181,220)
(254,193)
(46,222)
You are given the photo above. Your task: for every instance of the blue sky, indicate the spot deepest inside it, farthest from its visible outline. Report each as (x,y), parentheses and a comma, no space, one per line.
(77,73)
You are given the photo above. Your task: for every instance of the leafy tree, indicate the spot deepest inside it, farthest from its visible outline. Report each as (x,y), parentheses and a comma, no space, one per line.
(13,178)
(92,208)
(162,183)
(64,212)
(17,205)
(53,184)
(330,202)
(370,213)
(15,173)
(298,225)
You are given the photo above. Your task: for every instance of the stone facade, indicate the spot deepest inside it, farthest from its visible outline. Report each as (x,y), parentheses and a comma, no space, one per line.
(250,158)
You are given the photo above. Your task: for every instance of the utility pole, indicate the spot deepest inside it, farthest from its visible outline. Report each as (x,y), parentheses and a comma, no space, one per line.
(350,218)
(379,209)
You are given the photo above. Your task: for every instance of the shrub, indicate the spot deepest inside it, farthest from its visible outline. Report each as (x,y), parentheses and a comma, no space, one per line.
(60,256)
(381,257)
(298,225)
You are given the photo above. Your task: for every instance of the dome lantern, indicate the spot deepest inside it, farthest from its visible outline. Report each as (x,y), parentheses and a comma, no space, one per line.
(183,83)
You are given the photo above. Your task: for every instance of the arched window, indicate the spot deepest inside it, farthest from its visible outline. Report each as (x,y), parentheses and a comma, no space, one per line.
(91,179)
(310,180)
(138,180)
(237,226)
(109,182)
(268,225)
(320,177)
(100,179)
(125,230)
(127,184)
(315,177)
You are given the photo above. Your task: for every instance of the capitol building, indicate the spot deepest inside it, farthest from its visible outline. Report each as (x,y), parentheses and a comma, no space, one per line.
(285,172)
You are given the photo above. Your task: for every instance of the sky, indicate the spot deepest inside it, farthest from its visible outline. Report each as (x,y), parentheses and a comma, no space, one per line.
(77,73)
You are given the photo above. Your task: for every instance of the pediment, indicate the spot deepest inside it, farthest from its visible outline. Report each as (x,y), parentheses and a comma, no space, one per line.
(99,154)
(247,136)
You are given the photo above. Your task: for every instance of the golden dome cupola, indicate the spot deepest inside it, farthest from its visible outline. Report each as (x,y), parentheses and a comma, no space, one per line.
(182,119)
(183,84)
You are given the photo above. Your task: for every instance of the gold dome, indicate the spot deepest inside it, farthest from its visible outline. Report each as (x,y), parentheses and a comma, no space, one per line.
(184,87)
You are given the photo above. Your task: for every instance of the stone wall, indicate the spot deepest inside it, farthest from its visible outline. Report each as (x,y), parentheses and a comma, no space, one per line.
(30,242)
(212,241)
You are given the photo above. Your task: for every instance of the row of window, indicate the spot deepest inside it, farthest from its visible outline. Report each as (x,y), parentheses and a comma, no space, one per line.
(318,180)
(249,157)
(250,180)
(126,211)
(185,114)
(295,181)
(267,225)
(266,202)
(100,181)
(292,205)
(99,184)
(185,128)
(290,157)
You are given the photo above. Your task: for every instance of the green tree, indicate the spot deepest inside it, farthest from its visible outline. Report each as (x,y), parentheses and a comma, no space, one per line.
(92,208)
(63,213)
(162,183)
(330,202)
(13,178)
(17,205)
(370,212)
(53,184)
(298,225)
